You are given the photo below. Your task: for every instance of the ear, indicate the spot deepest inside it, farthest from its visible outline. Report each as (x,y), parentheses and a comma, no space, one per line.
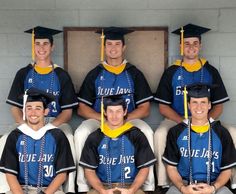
(46,111)
(125,113)
(124,47)
(209,105)
(52,48)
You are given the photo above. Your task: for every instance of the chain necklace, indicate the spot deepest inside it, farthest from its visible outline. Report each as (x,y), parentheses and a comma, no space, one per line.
(50,89)
(182,73)
(209,155)
(108,163)
(40,167)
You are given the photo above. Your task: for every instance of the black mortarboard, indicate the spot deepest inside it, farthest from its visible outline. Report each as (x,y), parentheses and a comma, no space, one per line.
(42,32)
(191,30)
(114,33)
(199,90)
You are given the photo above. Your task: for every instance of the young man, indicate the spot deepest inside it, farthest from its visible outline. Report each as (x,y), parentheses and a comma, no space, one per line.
(191,69)
(200,152)
(111,77)
(47,76)
(36,157)
(118,157)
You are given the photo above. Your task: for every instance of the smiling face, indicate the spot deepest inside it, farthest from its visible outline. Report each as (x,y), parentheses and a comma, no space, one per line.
(192,48)
(115,116)
(35,113)
(43,49)
(114,49)
(199,108)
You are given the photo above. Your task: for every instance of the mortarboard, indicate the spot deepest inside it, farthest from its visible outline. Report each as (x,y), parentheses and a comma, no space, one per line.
(40,32)
(36,95)
(199,90)
(190,30)
(112,33)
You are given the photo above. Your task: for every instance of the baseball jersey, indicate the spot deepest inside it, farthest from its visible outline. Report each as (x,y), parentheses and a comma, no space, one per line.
(21,149)
(222,149)
(56,82)
(174,78)
(117,159)
(100,82)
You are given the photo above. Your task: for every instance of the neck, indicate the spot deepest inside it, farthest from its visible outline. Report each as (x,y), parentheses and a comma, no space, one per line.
(190,61)
(114,62)
(43,63)
(199,122)
(35,127)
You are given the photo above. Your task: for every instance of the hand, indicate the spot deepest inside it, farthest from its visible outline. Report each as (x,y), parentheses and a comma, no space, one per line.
(108,191)
(125,191)
(191,189)
(205,188)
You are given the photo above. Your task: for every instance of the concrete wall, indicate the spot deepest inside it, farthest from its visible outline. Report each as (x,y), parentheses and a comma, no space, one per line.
(18,15)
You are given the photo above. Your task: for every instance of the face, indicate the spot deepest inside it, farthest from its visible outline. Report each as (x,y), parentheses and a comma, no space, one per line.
(35,113)
(43,49)
(192,48)
(114,49)
(199,108)
(115,116)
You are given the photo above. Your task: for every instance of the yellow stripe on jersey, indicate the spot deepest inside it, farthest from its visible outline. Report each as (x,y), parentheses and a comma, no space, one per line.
(114,69)
(44,70)
(192,67)
(200,129)
(114,133)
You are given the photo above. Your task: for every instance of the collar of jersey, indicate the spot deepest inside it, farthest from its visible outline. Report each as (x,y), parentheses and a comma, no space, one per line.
(44,70)
(115,69)
(114,133)
(24,128)
(200,128)
(191,67)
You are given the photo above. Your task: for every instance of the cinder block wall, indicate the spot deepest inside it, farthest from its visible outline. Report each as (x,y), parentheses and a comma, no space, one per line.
(219,45)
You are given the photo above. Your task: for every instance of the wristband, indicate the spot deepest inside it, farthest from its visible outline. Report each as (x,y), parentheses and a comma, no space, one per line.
(214,187)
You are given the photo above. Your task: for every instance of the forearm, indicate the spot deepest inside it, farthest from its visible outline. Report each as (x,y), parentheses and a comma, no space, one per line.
(170,113)
(14,184)
(63,117)
(216,111)
(17,114)
(87,112)
(139,179)
(140,112)
(175,177)
(222,179)
(56,183)
(93,180)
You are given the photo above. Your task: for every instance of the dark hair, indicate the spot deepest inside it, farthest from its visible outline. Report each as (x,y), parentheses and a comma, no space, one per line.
(49,38)
(122,40)
(114,101)
(189,98)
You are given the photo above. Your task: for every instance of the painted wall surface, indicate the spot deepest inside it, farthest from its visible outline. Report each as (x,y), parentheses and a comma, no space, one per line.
(219,45)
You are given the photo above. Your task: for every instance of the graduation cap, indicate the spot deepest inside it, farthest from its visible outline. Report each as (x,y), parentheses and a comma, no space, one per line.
(188,31)
(199,90)
(112,33)
(36,95)
(40,32)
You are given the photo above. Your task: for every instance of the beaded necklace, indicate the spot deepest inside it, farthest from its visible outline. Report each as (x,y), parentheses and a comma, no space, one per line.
(209,155)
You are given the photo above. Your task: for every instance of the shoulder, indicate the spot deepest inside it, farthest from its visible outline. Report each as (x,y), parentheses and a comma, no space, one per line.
(24,69)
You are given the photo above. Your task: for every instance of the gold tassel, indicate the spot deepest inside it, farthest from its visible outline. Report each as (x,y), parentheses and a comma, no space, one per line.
(182,42)
(102,115)
(102,46)
(185,104)
(32,48)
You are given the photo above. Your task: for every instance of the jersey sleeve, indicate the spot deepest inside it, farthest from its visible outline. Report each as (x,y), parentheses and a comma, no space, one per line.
(9,160)
(144,156)
(228,149)
(68,98)
(164,93)
(63,158)
(87,93)
(17,88)
(218,93)
(142,91)
(171,154)
(90,157)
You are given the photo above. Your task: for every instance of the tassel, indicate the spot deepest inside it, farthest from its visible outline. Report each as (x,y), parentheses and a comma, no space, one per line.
(102,115)
(185,104)
(24,104)
(32,48)
(182,42)
(102,46)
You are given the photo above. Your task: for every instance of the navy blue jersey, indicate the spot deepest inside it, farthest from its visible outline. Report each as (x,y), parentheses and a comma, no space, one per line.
(57,82)
(100,82)
(223,151)
(125,154)
(57,156)
(174,78)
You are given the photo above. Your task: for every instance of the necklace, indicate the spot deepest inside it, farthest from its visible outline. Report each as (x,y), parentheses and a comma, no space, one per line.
(40,167)
(209,155)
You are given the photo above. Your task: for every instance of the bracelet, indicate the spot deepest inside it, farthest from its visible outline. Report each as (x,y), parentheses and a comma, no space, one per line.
(214,187)
(181,187)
